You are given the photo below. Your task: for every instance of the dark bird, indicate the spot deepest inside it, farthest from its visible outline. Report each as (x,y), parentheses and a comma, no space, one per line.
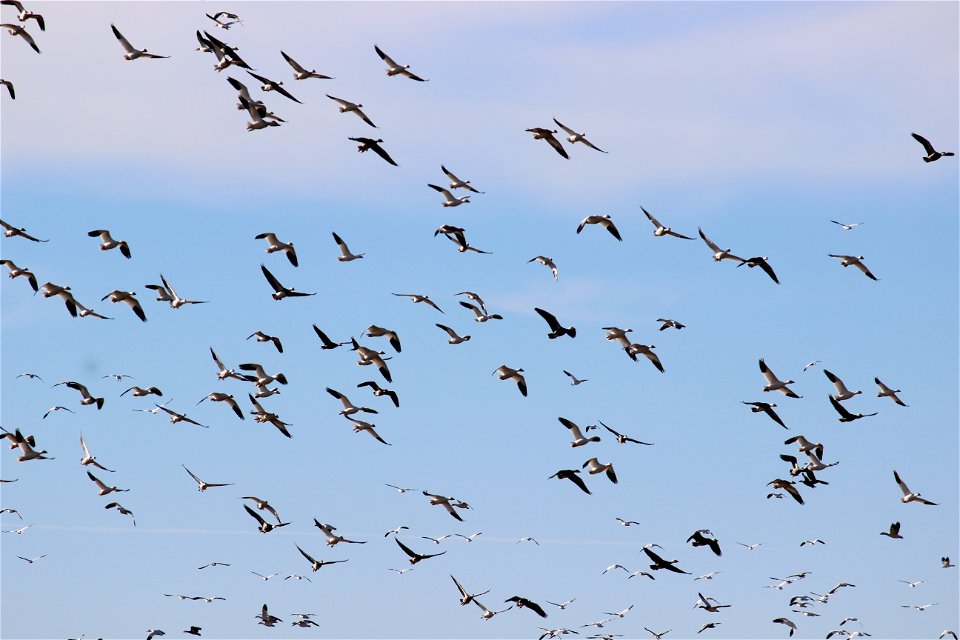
(932,154)
(10,89)
(787,486)
(279,291)
(315,564)
(699,540)
(761,261)
(523,603)
(846,416)
(556,329)
(370,143)
(327,342)
(193,631)
(572,476)
(265,527)
(621,438)
(766,408)
(414,556)
(894,531)
(660,563)
(466,598)
(547,134)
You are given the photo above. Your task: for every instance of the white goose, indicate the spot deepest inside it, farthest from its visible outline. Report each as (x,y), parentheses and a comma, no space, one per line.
(89,459)
(395,69)
(131,52)
(166,293)
(549,263)
(274,245)
(345,254)
(575,137)
(302,74)
(604,221)
(457,183)
(127,297)
(349,107)
(887,392)
(856,261)
(909,496)
(718,253)
(775,384)
(842,392)
(578,438)
(217,396)
(503,372)
(16,272)
(107,242)
(348,407)
(15,30)
(454,337)
(450,200)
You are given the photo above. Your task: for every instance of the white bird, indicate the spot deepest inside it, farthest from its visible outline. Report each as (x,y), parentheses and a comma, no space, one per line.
(394,69)
(912,584)
(56,408)
(345,255)
(595,467)
(107,242)
(578,438)
(660,230)
(50,290)
(302,74)
(457,183)
(274,245)
(634,350)
(127,297)
(707,576)
(810,364)
(131,52)
(847,227)
(445,502)
(575,137)
(887,392)
(360,425)
(332,538)
(503,372)
(89,459)
(480,316)
(201,485)
(842,392)
(487,613)
(454,337)
(348,407)
(547,262)
(349,107)
(775,384)
(104,489)
(11,231)
(909,496)
(718,253)
(750,547)
(87,398)
(263,505)
(19,531)
(450,200)
(369,356)
(846,261)
(32,560)
(469,538)
(122,511)
(921,607)
(788,623)
(574,380)
(604,221)
(16,272)
(15,30)
(166,293)
(417,297)
(534,541)
(620,614)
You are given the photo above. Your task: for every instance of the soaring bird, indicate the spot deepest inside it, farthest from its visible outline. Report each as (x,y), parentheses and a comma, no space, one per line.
(660,563)
(457,183)
(524,603)
(15,30)
(107,242)
(909,496)
(279,291)
(301,73)
(761,261)
(887,392)
(127,297)
(465,597)
(504,372)
(345,254)
(396,69)
(932,154)
(379,391)
(273,85)
(131,52)
(604,221)
(660,230)
(352,107)
(203,486)
(623,438)
(556,329)
(11,231)
(856,261)
(540,133)
(573,475)
(315,564)
(894,531)
(699,540)
(574,137)
(766,408)
(414,556)
(369,143)
(104,489)
(274,245)
(775,384)
(265,527)
(846,416)
(16,272)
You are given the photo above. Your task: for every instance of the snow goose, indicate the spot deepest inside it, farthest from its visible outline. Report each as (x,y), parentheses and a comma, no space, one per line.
(279,291)
(788,623)
(89,459)
(263,505)
(86,399)
(32,560)
(231,19)
(813,542)
(786,485)
(856,261)
(475,297)
(104,489)
(107,242)
(16,271)
(395,69)
(129,298)
(909,496)
(23,15)
(660,230)
(645,350)
(261,415)
(179,417)
(360,425)
(445,502)
(595,467)
(50,290)
(578,438)
(469,538)
(481,316)
(258,115)
(222,372)
(668,323)
(574,380)
(757,407)
(718,253)
(562,605)
(56,408)
(457,183)
(842,392)
(912,584)
(27,452)
(573,476)
(12,511)
(11,231)
(488,613)
(348,407)
(273,85)
(131,52)
(274,245)
(805,445)
(503,372)
(201,485)
(847,227)
(708,625)
(604,221)
(333,539)
(846,416)
(466,597)
(15,30)
(540,133)
(921,608)
(345,255)
(262,377)
(10,89)
(887,392)
(657,635)
(378,391)
(417,297)
(215,564)
(302,74)
(263,337)
(369,143)
(373,331)
(575,137)
(454,337)
(437,540)
(707,576)
(894,531)
(556,329)
(706,604)
(775,384)
(368,356)
(30,376)
(547,262)
(19,531)
(450,200)
(932,154)
(351,107)
(166,293)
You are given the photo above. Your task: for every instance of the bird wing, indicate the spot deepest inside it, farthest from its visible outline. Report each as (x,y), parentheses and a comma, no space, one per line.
(387,59)
(129,49)
(257,517)
(293,63)
(709,242)
(840,409)
(553,142)
(926,143)
(272,280)
(565,128)
(383,154)
(550,318)
(656,223)
(406,549)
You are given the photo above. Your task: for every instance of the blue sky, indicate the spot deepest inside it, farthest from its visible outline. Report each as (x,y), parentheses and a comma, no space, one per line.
(759,122)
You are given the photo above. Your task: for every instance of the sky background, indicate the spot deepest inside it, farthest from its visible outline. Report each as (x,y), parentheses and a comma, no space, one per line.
(759,122)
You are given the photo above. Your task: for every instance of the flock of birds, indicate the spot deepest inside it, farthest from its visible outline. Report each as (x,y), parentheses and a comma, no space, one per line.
(253,383)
